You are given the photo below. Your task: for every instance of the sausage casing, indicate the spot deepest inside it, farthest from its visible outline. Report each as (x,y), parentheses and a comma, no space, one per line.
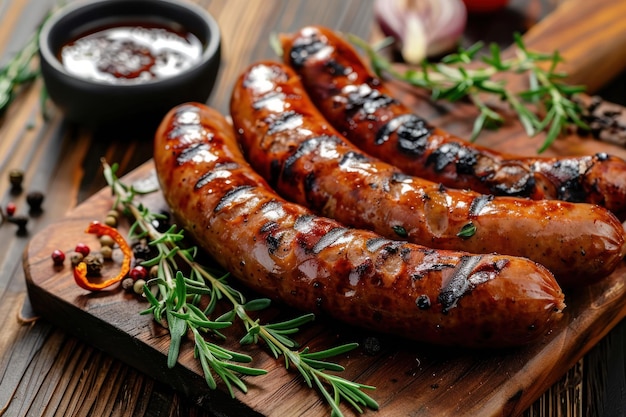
(361,108)
(283,251)
(292,146)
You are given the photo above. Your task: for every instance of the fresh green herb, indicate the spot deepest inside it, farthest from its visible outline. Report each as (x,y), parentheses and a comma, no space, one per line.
(400,231)
(19,71)
(467,231)
(176,298)
(451,80)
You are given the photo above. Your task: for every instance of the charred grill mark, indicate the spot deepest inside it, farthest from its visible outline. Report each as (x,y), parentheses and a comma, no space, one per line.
(220,171)
(303,48)
(304,223)
(305,148)
(523,187)
(464,158)
(443,156)
(187,114)
(267,99)
(413,133)
(271,206)
(272,239)
(459,283)
(487,272)
(351,157)
(336,68)
(365,99)
(188,132)
(284,121)
(268,227)
(400,177)
(467,159)
(231,196)
(374,245)
(479,203)
(329,238)
(432,262)
(364,268)
(567,173)
(190,152)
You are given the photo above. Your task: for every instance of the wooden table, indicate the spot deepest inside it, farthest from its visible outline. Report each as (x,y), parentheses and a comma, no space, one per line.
(45,371)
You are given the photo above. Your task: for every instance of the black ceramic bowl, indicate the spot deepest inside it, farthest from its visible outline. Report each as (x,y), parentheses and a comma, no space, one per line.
(95,102)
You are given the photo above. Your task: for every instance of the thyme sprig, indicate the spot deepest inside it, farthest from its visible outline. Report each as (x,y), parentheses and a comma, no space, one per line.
(546,106)
(185,303)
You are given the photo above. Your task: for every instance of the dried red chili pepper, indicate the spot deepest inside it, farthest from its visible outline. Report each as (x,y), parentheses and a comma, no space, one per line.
(80,270)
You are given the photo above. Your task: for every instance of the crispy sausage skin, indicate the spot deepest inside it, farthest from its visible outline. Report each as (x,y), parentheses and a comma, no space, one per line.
(361,108)
(307,161)
(283,251)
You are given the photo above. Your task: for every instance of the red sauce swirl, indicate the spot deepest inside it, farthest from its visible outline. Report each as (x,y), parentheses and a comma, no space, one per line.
(131,54)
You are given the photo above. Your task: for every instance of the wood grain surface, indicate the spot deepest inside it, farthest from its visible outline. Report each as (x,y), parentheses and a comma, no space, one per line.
(46,371)
(411,379)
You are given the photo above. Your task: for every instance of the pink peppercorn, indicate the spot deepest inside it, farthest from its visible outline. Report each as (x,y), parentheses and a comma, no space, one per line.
(11,209)
(138,272)
(58,257)
(82,249)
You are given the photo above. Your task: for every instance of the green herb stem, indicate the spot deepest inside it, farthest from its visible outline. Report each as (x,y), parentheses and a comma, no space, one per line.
(19,70)
(177,298)
(546,106)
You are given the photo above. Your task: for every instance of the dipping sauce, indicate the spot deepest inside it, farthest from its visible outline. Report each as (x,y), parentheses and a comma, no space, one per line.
(131,54)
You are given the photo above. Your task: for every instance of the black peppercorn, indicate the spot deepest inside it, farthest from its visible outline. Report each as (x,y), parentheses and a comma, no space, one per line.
(372,346)
(21,222)
(34,200)
(16,177)
(142,250)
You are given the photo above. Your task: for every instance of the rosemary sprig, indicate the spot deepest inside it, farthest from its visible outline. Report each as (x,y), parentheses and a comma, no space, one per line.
(178,299)
(547,104)
(20,71)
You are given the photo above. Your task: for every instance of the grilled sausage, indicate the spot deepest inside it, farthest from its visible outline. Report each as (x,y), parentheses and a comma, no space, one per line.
(361,108)
(285,252)
(290,144)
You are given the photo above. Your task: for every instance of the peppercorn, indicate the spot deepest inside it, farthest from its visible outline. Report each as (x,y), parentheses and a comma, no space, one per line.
(106,252)
(128,284)
(141,250)
(76,258)
(81,272)
(371,345)
(16,177)
(106,240)
(154,271)
(110,221)
(11,208)
(58,257)
(113,213)
(162,224)
(35,200)
(21,222)
(82,249)
(138,272)
(94,265)
(138,286)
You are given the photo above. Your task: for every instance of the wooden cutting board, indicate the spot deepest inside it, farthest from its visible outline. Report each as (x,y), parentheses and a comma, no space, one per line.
(411,378)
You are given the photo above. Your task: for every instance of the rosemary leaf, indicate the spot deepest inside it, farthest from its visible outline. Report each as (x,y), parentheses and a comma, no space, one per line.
(178,298)
(452,79)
